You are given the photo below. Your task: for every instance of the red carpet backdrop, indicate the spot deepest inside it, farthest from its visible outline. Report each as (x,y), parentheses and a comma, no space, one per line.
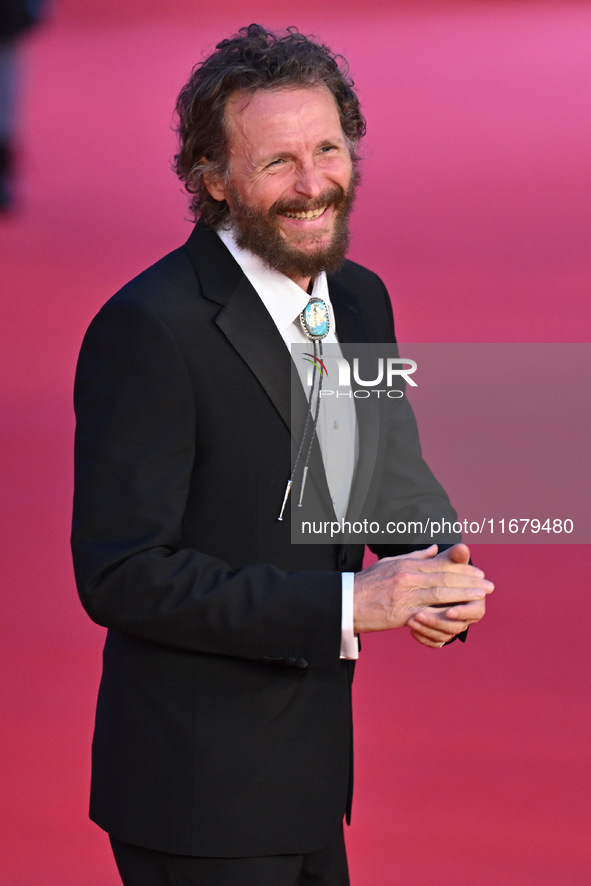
(472,764)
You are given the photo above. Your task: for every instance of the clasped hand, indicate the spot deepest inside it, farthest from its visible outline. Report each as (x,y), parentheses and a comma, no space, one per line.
(437,595)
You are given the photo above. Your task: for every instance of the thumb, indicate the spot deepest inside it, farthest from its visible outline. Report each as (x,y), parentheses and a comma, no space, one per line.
(424,553)
(459,553)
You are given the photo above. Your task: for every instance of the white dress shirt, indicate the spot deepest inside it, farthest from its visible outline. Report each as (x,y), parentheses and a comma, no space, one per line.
(337,428)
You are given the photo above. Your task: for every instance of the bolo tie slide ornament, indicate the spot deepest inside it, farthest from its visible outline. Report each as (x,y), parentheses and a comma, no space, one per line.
(315,322)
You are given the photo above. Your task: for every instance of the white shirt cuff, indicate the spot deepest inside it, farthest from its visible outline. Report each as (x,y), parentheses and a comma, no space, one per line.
(349,642)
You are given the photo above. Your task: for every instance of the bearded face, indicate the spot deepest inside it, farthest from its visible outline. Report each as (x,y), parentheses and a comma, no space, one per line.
(304,254)
(291,179)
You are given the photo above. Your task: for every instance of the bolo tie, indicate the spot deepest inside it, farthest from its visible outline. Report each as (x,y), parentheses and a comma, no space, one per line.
(315,323)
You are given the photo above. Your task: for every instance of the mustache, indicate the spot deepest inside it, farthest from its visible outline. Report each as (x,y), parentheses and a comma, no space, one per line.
(331,197)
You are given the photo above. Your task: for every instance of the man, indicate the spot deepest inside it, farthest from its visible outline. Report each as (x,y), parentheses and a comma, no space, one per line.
(222,750)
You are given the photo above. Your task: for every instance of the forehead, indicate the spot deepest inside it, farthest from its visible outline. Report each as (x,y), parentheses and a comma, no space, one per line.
(278,119)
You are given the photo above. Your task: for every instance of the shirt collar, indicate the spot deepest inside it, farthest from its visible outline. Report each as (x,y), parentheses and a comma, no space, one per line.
(283,299)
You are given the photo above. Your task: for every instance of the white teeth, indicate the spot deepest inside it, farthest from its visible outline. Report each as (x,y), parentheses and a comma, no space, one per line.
(313,213)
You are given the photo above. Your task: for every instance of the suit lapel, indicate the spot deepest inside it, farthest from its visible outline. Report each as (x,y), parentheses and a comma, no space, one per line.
(248,326)
(250,329)
(243,318)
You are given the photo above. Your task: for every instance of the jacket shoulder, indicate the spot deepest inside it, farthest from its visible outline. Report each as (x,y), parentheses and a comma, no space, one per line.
(368,293)
(160,285)
(356,277)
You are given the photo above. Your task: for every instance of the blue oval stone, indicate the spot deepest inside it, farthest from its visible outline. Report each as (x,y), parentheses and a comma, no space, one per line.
(315,318)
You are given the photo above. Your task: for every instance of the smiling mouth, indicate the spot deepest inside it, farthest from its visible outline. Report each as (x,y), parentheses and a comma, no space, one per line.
(310,215)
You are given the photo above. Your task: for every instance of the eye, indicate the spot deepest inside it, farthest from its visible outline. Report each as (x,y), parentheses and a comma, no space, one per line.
(325,149)
(275,163)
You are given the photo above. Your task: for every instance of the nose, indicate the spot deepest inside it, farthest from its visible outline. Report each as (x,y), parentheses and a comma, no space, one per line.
(308,181)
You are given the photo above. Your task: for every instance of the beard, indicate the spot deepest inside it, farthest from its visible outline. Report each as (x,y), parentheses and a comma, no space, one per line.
(259,231)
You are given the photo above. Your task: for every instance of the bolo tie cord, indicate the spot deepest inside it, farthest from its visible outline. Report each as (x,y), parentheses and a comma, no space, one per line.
(312,416)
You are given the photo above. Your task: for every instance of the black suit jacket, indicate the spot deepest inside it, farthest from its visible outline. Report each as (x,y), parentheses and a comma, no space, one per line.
(224,714)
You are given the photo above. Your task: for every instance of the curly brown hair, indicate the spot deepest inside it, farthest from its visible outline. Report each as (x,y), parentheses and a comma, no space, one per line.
(253,59)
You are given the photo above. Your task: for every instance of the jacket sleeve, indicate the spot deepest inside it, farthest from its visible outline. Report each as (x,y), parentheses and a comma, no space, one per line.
(135,452)
(409,491)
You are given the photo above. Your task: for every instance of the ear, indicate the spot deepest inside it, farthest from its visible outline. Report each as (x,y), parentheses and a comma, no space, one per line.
(214,182)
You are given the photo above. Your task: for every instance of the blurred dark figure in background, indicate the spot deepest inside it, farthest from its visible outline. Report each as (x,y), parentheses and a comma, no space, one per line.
(16,18)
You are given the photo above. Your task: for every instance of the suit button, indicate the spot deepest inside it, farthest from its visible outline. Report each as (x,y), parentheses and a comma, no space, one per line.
(301,663)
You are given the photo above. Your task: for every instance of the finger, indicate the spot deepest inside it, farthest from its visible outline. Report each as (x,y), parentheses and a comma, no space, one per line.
(461,577)
(440,633)
(467,612)
(438,591)
(426,641)
(438,564)
(422,554)
(435,625)
(459,553)
(447,619)
(435,638)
